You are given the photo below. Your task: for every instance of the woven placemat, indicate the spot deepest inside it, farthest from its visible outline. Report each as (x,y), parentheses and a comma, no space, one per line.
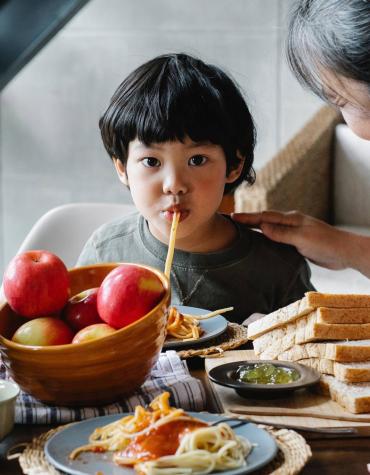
(234,336)
(292,455)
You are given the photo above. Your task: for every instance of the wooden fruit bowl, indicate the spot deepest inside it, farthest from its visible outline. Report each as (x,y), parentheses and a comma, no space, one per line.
(95,372)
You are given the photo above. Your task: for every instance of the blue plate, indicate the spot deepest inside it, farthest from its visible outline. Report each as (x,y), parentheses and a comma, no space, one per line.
(58,448)
(211,327)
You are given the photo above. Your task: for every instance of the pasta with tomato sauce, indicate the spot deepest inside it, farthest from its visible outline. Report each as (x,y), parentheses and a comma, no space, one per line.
(163,440)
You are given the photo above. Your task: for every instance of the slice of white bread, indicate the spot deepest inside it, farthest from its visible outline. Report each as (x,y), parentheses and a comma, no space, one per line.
(310,301)
(305,329)
(347,372)
(355,397)
(278,318)
(347,350)
(317,299)
(344,315)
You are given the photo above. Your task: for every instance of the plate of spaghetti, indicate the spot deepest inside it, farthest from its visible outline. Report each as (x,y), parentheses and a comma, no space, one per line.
(184,330)
(160,440)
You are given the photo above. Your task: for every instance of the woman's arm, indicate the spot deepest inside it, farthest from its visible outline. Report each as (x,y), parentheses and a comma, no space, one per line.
(314,239)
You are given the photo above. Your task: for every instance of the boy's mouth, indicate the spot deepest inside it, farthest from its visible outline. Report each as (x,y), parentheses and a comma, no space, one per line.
(168,213)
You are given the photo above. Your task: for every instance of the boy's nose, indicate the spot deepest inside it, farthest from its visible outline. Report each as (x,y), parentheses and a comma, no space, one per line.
(174,184)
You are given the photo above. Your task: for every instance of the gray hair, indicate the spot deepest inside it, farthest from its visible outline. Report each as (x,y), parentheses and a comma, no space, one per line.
(332,35)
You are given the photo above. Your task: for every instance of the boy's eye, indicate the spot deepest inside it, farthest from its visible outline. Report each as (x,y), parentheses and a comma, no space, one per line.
(151,162)
(197,160)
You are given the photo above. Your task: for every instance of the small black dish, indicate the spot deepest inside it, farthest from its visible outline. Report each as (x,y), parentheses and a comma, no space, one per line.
(227,375)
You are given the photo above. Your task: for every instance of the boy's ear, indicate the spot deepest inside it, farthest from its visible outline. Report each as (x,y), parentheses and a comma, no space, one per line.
(121,171)
(234,174)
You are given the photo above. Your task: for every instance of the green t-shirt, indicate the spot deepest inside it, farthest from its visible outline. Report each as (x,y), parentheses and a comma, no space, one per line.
(253,275)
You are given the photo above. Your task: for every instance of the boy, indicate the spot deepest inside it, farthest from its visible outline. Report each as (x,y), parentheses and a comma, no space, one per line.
(180,135)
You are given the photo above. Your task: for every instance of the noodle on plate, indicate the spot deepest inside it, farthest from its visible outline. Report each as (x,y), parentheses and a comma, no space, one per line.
(162,440)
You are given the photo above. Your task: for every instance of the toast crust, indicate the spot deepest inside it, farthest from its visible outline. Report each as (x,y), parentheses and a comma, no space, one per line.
(318,299)
(346,372)
(338,308)
(306,329)
(355,397)
(341,351)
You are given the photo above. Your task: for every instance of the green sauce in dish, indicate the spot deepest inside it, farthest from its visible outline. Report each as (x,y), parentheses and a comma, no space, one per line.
(266,373)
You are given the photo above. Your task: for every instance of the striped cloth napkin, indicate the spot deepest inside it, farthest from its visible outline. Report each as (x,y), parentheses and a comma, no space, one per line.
(169,374)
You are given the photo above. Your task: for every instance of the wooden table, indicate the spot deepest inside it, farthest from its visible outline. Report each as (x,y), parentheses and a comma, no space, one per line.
(342,456)
(346,456)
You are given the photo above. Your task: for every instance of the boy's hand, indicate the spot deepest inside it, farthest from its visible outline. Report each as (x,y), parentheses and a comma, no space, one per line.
(314,239)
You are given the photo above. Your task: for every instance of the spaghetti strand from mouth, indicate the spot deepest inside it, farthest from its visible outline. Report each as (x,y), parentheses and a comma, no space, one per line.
(171,244)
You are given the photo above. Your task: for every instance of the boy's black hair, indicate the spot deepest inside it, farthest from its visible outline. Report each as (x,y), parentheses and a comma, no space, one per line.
(173,96)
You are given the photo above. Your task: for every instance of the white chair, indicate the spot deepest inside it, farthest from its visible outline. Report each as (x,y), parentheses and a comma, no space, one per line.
(65,229)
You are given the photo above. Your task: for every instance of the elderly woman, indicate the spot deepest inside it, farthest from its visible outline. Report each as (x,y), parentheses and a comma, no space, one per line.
(328,50)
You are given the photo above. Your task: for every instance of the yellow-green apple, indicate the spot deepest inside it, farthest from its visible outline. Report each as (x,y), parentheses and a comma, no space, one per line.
(43,331)
(36,283)
(81,309)
(127,293)
(93,332)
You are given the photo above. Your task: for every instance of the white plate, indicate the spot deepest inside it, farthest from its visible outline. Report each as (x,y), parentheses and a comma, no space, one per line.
(211,327)
(58,448)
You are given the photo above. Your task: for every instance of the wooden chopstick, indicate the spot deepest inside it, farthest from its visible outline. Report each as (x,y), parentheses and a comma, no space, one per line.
(210,314)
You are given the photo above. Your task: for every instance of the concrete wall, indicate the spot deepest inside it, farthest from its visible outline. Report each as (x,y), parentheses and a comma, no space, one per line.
(50,146)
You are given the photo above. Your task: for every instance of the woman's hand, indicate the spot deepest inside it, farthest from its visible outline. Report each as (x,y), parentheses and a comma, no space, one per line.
(314,239)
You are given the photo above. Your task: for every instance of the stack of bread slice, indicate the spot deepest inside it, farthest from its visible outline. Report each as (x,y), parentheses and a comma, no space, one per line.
(328,332)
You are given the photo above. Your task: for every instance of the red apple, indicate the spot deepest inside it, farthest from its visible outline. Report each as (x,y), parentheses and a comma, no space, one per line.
(93,332)
(43,331)
(127,293)
(81,309)
(36,283)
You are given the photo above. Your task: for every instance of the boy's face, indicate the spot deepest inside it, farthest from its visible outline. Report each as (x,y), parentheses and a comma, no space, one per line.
(185,177)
